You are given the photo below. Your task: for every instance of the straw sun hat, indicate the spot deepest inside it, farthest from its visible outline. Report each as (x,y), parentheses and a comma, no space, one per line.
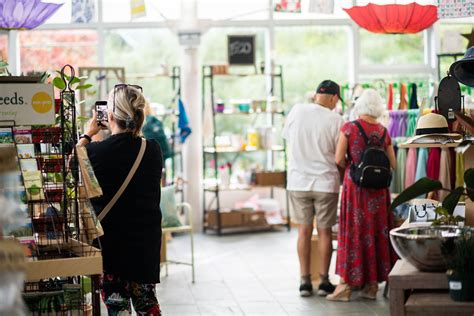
(432,127)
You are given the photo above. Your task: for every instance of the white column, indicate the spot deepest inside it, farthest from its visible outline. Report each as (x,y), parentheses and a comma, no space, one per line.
(191,96)
(100,34)
(353,44)
(14,61)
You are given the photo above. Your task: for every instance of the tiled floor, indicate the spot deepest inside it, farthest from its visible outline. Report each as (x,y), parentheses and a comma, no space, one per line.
(248,274)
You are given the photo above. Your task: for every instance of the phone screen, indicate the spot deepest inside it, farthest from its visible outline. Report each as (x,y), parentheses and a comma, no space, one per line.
(101,109)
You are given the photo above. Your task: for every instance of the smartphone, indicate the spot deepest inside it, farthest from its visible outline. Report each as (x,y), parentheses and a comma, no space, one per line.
(101,110)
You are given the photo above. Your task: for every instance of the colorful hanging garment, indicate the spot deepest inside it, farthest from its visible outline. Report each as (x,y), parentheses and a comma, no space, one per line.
(421,163)
(445,172)
(183,123)
(403,105)
(400,171)
(432,165)
(390,97)
(402,123)
(392,124)
(413,97)
(411,124)
(410,170)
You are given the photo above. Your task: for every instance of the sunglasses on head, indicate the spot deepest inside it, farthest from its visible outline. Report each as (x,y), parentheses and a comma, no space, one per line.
(125,85)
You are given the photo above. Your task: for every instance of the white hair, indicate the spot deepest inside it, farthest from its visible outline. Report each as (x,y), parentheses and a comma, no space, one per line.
(369,103)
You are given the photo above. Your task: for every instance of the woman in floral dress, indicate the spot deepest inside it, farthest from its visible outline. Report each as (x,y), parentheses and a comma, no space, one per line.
(364,255)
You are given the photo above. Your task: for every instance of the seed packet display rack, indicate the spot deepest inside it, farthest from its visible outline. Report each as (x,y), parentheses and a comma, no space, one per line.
(63,266)
(241,220)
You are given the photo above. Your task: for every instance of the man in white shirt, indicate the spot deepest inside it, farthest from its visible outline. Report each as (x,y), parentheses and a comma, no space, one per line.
(313,178)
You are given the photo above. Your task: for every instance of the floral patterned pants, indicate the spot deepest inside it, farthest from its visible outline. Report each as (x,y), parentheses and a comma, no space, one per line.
(118,295)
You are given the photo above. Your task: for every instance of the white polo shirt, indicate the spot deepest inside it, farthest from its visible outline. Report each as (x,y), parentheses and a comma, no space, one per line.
(312,131)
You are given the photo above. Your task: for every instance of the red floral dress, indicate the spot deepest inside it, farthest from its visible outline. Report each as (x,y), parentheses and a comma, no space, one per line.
(364,254)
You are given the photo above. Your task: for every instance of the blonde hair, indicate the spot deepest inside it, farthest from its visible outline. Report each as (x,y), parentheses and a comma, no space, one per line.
(147,110)
(129,109)
(369,103)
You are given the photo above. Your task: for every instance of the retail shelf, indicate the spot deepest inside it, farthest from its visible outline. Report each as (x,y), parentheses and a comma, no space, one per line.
(212,150)
(246,229)
(88,262)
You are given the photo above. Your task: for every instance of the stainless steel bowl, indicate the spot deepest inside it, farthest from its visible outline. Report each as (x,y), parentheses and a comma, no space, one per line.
(421,246)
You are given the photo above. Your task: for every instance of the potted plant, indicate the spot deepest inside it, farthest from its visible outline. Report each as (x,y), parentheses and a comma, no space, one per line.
(459,254)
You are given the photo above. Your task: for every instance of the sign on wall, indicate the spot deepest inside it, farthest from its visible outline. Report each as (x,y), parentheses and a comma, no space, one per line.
(241,49)
(27,104)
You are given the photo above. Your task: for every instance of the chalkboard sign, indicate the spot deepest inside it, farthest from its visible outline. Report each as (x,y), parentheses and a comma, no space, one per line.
(241,49)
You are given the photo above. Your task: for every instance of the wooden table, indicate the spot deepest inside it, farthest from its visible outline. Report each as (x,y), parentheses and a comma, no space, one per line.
(413,292)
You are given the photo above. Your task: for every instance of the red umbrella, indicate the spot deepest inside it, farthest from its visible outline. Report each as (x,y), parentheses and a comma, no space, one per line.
(394,18)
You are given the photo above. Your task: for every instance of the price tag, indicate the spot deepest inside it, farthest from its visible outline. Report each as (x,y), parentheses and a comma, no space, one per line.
(455,285)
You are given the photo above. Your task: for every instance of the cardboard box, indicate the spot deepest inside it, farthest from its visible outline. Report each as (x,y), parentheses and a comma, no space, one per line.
(271,178)
(228,219)
(256,218)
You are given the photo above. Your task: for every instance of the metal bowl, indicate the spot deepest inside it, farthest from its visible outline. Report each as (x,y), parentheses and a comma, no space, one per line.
(421,246)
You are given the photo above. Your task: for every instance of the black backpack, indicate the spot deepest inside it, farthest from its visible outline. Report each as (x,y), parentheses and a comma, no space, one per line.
(373,170)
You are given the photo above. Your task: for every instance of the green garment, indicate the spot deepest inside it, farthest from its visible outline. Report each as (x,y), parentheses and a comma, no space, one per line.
(153,129)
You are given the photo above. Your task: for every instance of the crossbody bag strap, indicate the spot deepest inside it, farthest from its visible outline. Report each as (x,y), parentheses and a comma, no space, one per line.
(125,183)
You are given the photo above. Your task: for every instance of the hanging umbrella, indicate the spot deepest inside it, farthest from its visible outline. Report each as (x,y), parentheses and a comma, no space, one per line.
(25,14)
(394,18)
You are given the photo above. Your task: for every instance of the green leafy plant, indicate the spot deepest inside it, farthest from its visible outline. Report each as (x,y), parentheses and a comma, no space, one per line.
(459,253)
(77,83)
(445,213)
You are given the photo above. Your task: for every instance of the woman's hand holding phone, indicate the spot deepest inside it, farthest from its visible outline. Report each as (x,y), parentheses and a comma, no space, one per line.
(93,127)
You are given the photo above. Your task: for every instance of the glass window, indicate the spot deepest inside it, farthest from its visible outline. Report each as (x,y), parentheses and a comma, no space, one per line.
(50,50)
(391,49)
(214,51)
(145,53)
(452,42)
(233,9)
(316,53)
(156,10)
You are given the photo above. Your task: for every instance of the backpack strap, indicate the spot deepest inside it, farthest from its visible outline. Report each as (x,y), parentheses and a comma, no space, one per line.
(366,138)
(382,140)
(361,129)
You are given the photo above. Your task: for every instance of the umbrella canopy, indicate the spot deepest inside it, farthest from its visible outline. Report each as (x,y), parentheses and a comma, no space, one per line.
(25,14)
(394,18)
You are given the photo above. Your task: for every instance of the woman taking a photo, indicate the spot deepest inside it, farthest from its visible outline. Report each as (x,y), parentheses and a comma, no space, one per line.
(129,171)
(364,254)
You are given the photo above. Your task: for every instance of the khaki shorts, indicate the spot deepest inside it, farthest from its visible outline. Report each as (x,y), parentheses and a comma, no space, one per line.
(305,205)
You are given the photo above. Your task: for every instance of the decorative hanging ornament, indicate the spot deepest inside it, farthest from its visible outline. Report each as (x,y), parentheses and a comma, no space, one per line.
(470,38)
(394,18)
(25,14)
